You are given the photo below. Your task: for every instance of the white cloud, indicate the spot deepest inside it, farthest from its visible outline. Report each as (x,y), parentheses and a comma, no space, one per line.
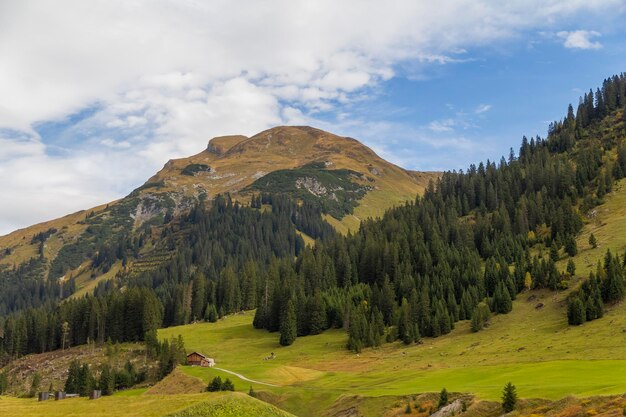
(580,39)
(111,143)
(483,108)
(164,76)
(446,125)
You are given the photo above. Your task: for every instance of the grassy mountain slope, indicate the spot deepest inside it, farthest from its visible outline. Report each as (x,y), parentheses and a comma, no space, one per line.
(236,162)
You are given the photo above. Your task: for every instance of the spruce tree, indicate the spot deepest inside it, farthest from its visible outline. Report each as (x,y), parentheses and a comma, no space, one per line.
(443,398)
(215,385)
(228,385)
(107,380)
(570,246)
(404,325)
(288,325)
(72,382)
(509,398)
(4,382)
(316,314)
(554,252)
(571,267)
(575,311)
(592,241)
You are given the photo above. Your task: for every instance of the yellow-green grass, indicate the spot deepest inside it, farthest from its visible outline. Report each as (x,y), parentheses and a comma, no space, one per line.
(133,392)
(130,403)
(86,284)
(608,225)
(114,406)
(231,405)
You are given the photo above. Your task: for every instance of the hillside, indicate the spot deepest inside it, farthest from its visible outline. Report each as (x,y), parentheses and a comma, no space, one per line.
(52,367)
(484,279)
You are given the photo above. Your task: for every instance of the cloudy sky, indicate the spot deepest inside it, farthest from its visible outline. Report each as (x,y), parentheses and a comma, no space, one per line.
(95,96)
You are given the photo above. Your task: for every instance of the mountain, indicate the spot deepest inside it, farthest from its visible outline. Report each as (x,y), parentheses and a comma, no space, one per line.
(346,179)
(238,165)
(493,275)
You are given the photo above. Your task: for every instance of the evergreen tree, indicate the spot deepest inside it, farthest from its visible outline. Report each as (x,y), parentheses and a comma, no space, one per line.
(575,311)
(316,309)
(509,398)
(570,246)
(480,317)
(72,384)
(228,385)
(592,241)
(443,398)
(571,267)
(86,381)
(554,252)
(199,296)
(210,313)
(4,382)
(107,380)
(288,325)
(215,384)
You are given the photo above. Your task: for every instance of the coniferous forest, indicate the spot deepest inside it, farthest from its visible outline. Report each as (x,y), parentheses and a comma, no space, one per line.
(462,251)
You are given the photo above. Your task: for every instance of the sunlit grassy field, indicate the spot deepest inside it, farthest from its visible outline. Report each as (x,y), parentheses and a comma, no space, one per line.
(131,403)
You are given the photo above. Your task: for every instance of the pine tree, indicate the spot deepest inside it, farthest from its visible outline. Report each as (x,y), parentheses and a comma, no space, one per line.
(480,317)
(72,382)
(575,311)
(4,382)
(404,324)
(570,246)
(443,398)
(571,267)
(592,241)
(215,384)
(554,252)
(288,325)
(210,314)
(317,314)
(199,296)
(509,398)
(107,380)
(228,385)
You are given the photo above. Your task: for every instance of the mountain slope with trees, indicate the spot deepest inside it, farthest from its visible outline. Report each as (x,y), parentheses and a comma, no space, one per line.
(462,251)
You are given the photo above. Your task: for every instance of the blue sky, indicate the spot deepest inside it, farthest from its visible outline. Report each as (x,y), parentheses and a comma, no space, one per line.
(94,98)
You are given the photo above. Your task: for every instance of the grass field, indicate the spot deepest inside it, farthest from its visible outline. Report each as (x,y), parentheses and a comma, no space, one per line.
(221,404)
(233,405)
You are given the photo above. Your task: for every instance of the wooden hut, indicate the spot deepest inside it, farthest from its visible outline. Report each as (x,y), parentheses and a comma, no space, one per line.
(198,359)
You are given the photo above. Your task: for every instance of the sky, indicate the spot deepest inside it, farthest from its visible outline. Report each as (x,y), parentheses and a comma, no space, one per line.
(96,96)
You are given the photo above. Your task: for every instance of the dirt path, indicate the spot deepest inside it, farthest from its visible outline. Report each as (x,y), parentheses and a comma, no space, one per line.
(246,379)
